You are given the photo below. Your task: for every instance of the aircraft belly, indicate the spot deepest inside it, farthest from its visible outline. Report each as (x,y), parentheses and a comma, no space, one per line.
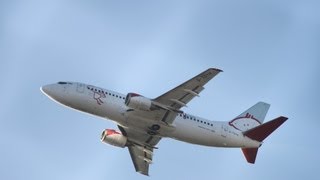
(191,133)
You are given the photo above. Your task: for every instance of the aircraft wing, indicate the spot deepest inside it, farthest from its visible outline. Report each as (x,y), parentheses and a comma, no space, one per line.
(140,147)
(137,155)
(180,96)
(141,143)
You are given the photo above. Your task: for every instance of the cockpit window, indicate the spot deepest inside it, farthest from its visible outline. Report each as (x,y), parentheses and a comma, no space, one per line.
(62,82)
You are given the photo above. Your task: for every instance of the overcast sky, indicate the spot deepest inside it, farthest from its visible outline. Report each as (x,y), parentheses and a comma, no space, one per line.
(269,51)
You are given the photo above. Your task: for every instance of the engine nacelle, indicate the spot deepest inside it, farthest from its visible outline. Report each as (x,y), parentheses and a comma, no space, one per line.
(114,138)
(136,101)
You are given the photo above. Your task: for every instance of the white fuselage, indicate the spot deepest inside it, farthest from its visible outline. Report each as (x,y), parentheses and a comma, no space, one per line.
(111,105)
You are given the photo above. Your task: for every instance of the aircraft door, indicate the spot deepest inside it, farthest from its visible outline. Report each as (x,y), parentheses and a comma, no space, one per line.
(80,87)
(224,130)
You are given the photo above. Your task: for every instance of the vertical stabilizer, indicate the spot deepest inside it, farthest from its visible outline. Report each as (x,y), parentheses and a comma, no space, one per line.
(251,118)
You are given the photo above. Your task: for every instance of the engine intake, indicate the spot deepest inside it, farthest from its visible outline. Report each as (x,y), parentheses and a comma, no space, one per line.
(114,138)
(136,101)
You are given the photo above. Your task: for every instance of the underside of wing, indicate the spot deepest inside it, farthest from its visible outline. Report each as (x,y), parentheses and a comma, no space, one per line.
(184,93)
(140,146)
(140,159)
(180,96)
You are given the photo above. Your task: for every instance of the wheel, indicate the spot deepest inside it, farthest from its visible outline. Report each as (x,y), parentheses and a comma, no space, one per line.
(155,127)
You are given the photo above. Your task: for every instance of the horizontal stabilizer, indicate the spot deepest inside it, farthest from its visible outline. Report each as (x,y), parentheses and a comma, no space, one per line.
(259,133)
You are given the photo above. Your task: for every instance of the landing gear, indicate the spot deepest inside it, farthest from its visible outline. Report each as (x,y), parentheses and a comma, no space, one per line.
(152,133)
(153,129)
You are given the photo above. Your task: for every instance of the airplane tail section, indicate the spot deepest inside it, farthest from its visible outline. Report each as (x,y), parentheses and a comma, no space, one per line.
(259,133)
(250,154)
(251,118)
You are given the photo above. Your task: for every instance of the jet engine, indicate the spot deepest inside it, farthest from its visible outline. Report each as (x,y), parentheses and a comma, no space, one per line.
(136,101)
(114,138)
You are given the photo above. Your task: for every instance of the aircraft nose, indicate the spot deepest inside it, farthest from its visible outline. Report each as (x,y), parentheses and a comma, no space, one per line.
(58,92)
(45,89)
(49,90)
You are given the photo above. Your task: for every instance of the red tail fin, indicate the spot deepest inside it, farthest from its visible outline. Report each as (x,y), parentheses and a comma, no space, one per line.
(250,154)
(259,133)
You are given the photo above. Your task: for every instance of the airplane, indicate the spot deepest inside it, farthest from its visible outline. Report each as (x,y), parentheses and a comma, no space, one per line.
(143,122)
